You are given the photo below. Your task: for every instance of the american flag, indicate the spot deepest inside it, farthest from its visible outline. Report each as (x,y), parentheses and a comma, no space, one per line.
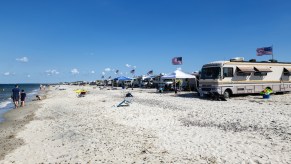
(150,72)
(264,51)
(132,71)
(177,61)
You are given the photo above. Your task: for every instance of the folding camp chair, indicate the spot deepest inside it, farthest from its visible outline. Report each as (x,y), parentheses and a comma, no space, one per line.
(127,100)
(82,94)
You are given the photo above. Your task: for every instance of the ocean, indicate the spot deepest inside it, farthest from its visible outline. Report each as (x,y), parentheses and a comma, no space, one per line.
(6,103)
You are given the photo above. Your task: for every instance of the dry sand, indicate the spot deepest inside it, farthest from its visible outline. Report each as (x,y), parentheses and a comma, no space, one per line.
(155,128)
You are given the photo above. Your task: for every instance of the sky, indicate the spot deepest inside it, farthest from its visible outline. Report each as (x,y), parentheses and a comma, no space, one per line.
(47,41)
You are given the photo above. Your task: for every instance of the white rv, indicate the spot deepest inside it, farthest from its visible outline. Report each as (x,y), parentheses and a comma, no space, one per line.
(244,77)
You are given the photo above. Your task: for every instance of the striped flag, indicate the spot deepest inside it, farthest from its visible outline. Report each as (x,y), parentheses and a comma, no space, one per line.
(264,51)
(177,61)
(150,72)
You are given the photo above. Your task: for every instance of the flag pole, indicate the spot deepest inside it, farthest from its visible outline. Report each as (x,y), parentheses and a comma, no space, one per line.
(272,53)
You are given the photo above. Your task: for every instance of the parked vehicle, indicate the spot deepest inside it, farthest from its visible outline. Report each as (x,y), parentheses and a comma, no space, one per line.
(244,77)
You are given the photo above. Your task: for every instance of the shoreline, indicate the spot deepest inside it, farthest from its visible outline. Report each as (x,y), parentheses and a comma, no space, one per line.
(6,102)
(13,123)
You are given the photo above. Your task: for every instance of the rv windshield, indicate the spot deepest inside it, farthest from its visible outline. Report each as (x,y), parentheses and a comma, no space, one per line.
(210,73)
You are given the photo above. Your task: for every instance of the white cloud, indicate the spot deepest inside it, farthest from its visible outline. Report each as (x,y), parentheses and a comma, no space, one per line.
(23,59)
(107,69)
(52,72)
(180,69)
(6,73)
(92,71)
(28,76)
(75,71)
(127,65)
(103,73)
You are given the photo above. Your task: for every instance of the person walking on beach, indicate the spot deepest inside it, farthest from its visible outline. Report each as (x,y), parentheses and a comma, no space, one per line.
(22,97)
(15,95)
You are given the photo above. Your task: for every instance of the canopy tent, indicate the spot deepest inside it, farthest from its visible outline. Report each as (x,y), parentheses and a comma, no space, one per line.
(123,78)
(179,75)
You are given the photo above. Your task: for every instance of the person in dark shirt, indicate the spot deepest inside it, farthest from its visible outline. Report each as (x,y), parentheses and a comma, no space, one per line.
(22,97)
(15,95)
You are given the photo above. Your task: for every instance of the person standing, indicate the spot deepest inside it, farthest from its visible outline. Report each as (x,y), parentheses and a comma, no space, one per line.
(22,97)
(15,95)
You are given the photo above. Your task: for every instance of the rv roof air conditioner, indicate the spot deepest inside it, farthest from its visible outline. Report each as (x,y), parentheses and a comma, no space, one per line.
(237,59)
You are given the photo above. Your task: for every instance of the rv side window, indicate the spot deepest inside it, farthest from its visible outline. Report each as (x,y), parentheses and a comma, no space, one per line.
(227,72)
(286,72)
(260,74)
(243,74)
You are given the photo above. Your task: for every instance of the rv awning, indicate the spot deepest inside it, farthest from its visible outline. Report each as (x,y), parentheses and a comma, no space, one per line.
(245,69)
(263,69)
(287,69)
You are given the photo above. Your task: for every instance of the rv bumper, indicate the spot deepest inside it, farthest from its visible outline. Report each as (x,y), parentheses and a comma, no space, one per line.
(207,91)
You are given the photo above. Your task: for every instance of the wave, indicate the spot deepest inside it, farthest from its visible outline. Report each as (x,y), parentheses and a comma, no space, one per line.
(33,92)
(4,104)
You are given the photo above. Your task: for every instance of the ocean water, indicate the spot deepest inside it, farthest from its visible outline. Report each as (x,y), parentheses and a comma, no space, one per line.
(6,103)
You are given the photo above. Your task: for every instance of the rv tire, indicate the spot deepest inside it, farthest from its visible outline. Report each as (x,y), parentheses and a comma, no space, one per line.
(226,94)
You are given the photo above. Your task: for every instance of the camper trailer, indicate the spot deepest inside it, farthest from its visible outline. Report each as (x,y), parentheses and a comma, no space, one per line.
(244,77)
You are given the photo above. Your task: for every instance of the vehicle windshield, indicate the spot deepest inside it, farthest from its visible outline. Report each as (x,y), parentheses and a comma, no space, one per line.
(210,73)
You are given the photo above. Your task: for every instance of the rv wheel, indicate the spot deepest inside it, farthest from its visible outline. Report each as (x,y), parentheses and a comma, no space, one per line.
(226,94)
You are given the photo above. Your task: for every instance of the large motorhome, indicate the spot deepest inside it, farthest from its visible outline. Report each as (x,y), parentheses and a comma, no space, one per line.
(244,77)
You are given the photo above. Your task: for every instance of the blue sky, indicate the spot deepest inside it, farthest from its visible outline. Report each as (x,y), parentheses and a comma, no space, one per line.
(67,40)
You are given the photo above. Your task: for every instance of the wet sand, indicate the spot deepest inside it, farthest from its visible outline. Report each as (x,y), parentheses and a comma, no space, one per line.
(15,121)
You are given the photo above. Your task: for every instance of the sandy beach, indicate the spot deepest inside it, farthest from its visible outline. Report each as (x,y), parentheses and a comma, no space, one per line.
(155,128)
(15,120)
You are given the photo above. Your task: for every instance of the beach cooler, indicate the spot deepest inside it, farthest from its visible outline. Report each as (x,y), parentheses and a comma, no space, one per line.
(266,96)
(161,89)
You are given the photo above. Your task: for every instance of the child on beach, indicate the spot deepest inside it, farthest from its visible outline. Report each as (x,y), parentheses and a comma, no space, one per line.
(38,97)
(22,97)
